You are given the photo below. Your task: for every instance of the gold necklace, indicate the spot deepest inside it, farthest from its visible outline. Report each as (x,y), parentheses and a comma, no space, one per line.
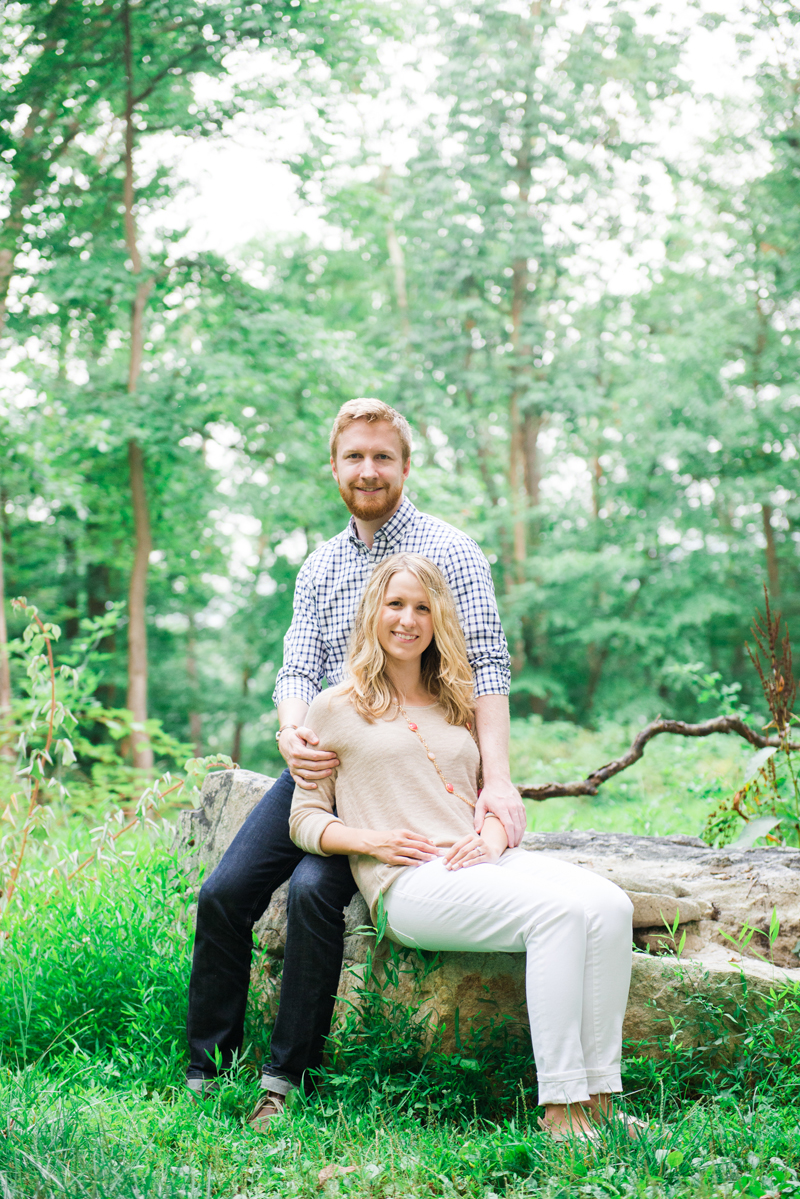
(432,756)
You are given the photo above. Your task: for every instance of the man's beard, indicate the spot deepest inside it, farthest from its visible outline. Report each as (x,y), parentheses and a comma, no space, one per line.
(374,507)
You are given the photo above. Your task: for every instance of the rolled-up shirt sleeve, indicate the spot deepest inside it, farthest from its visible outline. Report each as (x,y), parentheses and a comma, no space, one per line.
(470,579)
(304,656)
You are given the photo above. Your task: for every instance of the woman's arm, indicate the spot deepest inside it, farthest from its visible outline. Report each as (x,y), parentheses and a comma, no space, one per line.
(395,847)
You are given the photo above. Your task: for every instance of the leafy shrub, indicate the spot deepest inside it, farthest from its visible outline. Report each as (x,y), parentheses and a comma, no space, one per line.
(99,968)
(384,1050)
(750,1054)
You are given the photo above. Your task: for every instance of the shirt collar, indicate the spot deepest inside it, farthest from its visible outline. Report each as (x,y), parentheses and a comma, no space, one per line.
(394,528)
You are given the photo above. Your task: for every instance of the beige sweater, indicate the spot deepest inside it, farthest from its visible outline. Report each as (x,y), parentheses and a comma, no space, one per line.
(385,780)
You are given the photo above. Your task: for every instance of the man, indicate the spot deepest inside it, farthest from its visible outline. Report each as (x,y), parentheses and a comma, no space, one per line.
(370,460)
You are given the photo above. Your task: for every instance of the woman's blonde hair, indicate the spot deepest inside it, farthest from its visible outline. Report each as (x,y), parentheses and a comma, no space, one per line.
(445,667)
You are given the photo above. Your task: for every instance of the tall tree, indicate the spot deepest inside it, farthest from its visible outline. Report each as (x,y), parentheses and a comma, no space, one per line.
(150,52)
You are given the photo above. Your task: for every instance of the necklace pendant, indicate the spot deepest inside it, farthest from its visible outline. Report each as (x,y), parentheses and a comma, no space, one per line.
(432,757)
(449,787)
(413,727)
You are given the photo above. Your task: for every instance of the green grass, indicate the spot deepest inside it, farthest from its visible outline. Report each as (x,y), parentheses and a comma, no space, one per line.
(93,980)
(69,1136)
(671,789)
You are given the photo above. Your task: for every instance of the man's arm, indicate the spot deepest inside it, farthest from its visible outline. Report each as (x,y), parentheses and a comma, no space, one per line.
(296,687)
(470,578)
(306,764)
(499,795)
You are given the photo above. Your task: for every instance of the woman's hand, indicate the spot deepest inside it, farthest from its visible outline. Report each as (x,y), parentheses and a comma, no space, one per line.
(471,850)
(399,847)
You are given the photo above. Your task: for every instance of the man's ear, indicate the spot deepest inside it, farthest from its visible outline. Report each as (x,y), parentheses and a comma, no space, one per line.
(407,467)
(333,468)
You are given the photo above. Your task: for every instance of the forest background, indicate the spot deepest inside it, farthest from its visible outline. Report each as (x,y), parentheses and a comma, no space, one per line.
(529,226)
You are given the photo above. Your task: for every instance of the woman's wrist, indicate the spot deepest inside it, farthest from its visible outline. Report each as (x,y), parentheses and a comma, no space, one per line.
(494,832)
(368,841)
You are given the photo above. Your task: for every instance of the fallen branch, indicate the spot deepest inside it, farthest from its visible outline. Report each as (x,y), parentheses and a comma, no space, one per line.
(590,785)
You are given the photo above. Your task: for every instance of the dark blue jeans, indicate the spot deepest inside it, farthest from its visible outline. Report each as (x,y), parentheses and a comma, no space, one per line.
(260,858)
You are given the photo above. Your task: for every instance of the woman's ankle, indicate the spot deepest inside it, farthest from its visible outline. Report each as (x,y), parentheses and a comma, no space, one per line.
(565,1115)
(602,1104)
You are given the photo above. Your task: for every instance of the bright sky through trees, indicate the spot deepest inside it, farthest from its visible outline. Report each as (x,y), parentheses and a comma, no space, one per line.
(561,237)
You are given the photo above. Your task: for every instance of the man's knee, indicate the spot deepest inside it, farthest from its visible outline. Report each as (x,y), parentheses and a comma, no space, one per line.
(219,895)
(320,887)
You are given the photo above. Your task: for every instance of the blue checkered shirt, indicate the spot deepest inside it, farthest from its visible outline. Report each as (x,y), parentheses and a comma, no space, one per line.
(332,580)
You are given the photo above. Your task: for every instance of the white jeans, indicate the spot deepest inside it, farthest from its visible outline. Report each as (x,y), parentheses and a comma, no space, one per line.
(575,928)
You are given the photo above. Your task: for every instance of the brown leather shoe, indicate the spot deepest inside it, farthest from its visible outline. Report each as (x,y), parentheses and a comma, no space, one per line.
(270,1105)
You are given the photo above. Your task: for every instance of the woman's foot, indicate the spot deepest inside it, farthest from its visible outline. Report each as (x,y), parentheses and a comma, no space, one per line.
(601,1110)
(565,1121)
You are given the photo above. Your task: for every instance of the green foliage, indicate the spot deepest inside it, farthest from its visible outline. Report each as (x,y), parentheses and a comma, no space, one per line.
(383,1053)
(92,1009)
(98,969)
(607,406)
(769,798)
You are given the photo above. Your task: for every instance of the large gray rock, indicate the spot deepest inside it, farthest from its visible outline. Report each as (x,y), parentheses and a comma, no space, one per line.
(679,882)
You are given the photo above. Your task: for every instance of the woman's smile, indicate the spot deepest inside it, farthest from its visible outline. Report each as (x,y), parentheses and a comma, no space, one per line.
(405,622)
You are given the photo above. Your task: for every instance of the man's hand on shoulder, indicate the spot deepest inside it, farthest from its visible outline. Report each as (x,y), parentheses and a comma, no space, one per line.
(305,762)
(503,801)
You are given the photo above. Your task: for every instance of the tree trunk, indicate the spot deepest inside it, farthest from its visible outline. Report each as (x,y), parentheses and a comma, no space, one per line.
(531,428)
(137,601)
(516,472)
(236,748)
(397,259)
(137,592)
(195,719)
(9,237)
(31,165)
(72,623)
(772,556)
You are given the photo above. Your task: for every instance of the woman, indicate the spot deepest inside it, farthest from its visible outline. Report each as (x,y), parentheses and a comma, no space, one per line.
(404,794)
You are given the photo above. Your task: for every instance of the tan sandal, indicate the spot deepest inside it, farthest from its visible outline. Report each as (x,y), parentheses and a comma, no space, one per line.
(270,1105)
(634,1127)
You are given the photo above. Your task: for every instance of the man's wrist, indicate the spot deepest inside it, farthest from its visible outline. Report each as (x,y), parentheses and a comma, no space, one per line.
(497,779)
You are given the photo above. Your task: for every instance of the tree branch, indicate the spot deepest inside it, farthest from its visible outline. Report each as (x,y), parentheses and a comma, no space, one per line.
(590,785)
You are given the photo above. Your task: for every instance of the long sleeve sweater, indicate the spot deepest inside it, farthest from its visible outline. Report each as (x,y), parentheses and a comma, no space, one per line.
(385,780)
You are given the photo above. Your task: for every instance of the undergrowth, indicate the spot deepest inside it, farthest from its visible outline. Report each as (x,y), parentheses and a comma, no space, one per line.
(92,1016)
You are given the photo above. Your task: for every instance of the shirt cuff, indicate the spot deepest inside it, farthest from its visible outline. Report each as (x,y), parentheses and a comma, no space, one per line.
(492,679)
(294,686)
(307,829)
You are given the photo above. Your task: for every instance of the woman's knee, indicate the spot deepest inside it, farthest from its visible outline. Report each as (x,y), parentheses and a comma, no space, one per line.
(614,906)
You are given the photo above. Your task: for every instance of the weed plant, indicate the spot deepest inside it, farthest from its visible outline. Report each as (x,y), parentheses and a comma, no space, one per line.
(92,1011)
(97,969)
